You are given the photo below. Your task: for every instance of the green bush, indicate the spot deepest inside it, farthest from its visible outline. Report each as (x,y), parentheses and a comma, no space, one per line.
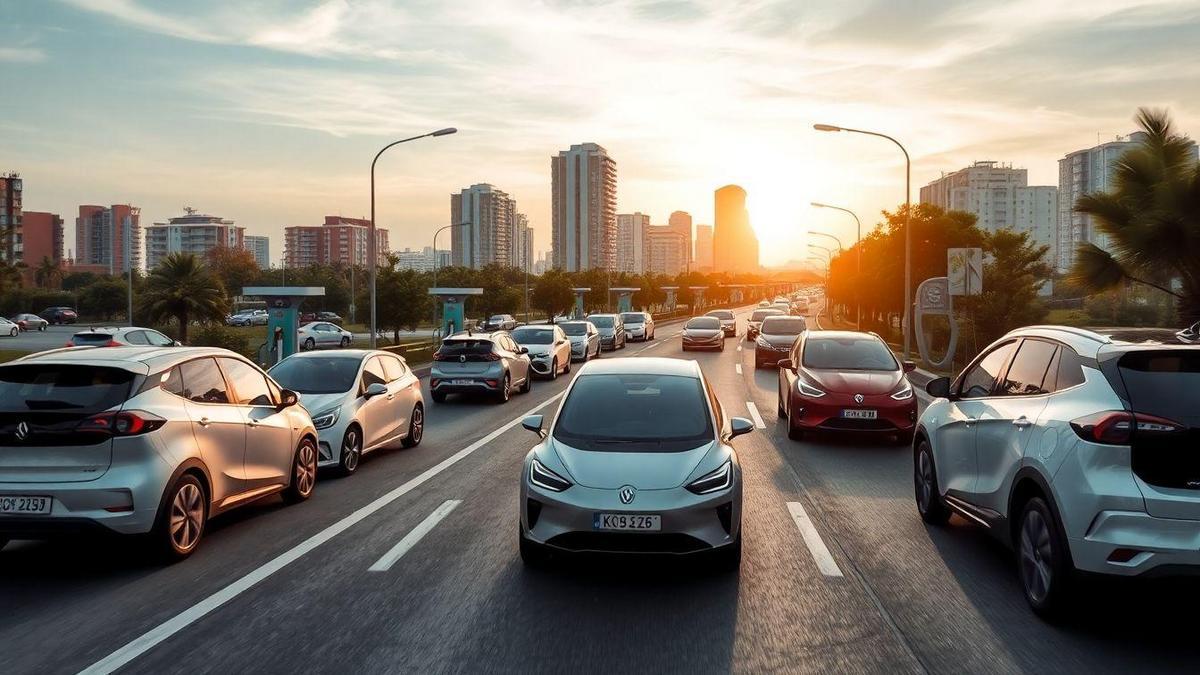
(33,300)
(225,337)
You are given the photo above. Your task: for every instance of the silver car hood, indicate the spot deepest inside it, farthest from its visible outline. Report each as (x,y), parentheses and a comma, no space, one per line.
(577,339)
(317,403)
(643,470)
(537,350)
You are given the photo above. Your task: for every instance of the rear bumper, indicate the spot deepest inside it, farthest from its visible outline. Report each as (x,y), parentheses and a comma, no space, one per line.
(769,357)
(476,386)
(124,500)
(1163,546)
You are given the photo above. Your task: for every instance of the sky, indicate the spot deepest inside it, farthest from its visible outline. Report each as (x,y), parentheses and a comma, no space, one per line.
(269,112)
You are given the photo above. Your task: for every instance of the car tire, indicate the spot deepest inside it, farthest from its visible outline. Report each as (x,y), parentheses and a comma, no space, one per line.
(533,554)
(779,406)
(1043,560)
(729,558)
(505,391)
(567,366)
(925,487)
(438,396)
(345,342)
(416,427)
(554,369)
(350,453)
(527,385)
(792,431)
(304,473)
(309,344)
(722,347)
(186,505)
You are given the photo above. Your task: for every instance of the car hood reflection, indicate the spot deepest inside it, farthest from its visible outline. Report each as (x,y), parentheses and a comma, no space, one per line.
(644,470)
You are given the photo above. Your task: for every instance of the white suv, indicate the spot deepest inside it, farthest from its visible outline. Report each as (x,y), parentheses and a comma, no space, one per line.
(1076,448)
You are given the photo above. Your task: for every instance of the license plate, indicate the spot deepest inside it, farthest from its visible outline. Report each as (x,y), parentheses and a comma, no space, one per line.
(860,414)
(25,505)
(626,522)
(462,381)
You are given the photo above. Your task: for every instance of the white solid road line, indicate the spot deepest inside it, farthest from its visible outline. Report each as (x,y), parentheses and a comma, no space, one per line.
(758,420)
(649,347)
(739,348)
(417,534)
(738,368)
(816,546)
(148,641)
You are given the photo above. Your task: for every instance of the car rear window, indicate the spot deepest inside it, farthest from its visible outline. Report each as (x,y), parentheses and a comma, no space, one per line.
(760,314)
(1164,384)
(84,339)
(790,325)
(466,347)
(75,388)
(656,413)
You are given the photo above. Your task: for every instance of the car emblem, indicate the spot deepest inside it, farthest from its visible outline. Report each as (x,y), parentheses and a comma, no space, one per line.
(627,494)
(858,398)
(462,358)
(22,431)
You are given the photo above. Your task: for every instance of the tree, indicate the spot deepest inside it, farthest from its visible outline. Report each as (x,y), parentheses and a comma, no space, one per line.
(48,273)
(183,289)
(1014,270)
(77,280)
(401,298)
(104,298)
(552,294)
(1151,218)
(236,268)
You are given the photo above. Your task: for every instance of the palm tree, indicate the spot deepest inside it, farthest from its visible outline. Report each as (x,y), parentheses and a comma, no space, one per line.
(1151,218)
(182,288)
(48,273)
(10,276)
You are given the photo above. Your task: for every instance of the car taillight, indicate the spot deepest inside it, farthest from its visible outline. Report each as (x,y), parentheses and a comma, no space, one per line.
(1117,427)
(439,356)
(124,423)
(491,357)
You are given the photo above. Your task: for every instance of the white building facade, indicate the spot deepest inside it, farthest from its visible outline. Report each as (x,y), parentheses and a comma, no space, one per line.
(261,248)
(631,242)
(583,186)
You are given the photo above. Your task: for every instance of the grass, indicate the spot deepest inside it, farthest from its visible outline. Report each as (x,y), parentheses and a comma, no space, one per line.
(1067,317)
(10,354)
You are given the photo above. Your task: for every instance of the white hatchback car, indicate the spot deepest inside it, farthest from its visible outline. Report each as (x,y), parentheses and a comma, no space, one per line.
(323,335)
(1077,448)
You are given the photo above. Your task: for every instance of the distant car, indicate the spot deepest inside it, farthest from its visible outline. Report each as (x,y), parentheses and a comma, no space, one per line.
(776,337)
(756,319)
(638,325)
(360,401)
(612,330)
(480,363)
(728,320)
(30,322)
(548,348)
(703,332)
(307,317)
(323,335)
(59,315)
(800,307)
(764,303)
(253,317)
(499,322)
(129,336)
(8,327)
(331,317)
(584,337)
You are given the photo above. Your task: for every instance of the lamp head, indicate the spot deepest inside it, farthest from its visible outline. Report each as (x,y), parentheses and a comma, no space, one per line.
(445,132)
(826,127)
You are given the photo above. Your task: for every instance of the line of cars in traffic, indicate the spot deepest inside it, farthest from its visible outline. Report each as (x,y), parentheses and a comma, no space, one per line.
(26,321)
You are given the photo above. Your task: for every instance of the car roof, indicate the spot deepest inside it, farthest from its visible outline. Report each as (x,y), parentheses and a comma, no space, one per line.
(641,366)
(840,334)
(142,360)
(1091,341)
(475,335)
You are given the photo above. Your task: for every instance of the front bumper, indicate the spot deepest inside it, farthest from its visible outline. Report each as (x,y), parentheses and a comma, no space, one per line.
(542,365)
(608,342)
(825,413)
(704,343)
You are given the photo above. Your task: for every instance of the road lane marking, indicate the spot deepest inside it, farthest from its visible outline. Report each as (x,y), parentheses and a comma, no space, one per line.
(739,348)
(649,347)
(738,368)
(758,420)
(417,534)
(812,539)
(187,617)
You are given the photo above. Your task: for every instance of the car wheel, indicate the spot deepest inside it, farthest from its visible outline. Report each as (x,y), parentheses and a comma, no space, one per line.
(779,406)
(793,432)
(722,347)
(304,473)
(533,554)
(729,558)
(345,342)
(309,344)
(416,428)
(1043,559)
(351,451)
(554,369)
(505,391)
(929,500)
(438,396)
(13,333)
(182,520)
(567,366)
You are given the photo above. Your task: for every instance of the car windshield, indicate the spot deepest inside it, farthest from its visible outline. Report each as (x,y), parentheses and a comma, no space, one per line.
(573,328)
(83,389)
(848,353)
(656,413)
(317,375)
(721,314)
(704,322)
(79,339)
(633,317)
(783,325)
(601,321)
(760,314)
(534,336)
(497,318)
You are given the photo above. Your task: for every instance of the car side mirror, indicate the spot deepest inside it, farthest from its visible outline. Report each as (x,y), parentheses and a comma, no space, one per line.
(739,426)
(176,343)
(786,364)
(523,350)
(375,389)
(288,398)
(938,387)
(534,424)
(910,366)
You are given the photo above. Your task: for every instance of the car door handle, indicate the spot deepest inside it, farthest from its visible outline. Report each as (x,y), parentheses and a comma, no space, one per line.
(253,422)
(204,422)
(969,421)
(1022,421)
(391,396)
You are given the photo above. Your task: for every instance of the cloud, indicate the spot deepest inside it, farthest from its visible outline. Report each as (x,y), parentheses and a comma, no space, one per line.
(22,54)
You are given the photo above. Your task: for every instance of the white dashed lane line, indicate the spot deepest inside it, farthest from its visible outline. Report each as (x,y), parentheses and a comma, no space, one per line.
(417,534)
(738,368)
(758,420)
(812,539)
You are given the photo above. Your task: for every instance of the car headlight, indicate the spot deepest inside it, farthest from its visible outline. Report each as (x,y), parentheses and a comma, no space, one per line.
(905,392)
(326,418)
(546,479)
(808,390)
(713,481)
(762,342)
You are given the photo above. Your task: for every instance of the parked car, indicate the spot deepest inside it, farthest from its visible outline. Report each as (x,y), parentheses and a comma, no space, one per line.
(776,337)
(1077,449)
(728,320)
(703,332)
(323,335)
(144,441)
(331,317)
(756,319)
(480,363)
(30,322)
(1190,335)
(548,348)
(129,336)
(59,315)
(846,382)
(499,322)
(584,337)
(307,317)
(612,330)
(637,459)
(359,400)
(638,325)
(253,317)
(9,328)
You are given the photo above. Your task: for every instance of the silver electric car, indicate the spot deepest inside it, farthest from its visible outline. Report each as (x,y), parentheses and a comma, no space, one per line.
(144,440)
(480,363)
(662,480)
(548,348)
(585,339)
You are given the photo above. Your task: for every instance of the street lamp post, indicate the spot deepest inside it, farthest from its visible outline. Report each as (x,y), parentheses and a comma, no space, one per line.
(372,253)
(905,323)
(858,256)
(436,327)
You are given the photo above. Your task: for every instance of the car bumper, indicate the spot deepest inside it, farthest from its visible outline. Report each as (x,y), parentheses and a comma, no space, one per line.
(826,415)
(705,343)
(124,500)
(1163,546)
(769,357)
(578,351)
(542,365)
(729,329)
(638,334)
(608,343)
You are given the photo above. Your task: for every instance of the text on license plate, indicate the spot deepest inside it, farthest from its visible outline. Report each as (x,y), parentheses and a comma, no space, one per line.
(860,414)
(25,504)
(462,381)
(626,521)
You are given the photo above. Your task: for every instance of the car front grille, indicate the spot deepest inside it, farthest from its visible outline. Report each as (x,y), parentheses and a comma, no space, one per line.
(842,424)
(631,542)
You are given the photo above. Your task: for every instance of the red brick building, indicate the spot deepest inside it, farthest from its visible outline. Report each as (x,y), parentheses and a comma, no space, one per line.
(338,241)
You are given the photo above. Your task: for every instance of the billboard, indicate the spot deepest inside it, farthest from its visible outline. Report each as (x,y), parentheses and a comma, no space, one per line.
(964,269)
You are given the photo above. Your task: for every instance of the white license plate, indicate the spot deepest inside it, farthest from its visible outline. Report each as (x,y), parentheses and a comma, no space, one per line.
(626,522)
(25,505)
(462,381)
(860,414)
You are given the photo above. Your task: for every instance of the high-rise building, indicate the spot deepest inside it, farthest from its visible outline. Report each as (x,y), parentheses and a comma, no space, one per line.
(583,185)
(1085,172)
(11,190)
(42,237)
(492,234)
(523,250)
(194,232)
(681,222)
(110,238)
(666,250)
(704,248)
(339,241)
(631,242)
(735,246)
(542,264)
(423,260)
(1000,198)
(261,248)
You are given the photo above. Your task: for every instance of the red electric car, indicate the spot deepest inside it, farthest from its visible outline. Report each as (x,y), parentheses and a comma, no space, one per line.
(844,381)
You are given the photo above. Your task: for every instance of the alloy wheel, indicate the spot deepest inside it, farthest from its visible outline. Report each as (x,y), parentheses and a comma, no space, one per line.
(1037,571)
(187,517)
(417,425)
(924,479)
(351,450)
(306,469)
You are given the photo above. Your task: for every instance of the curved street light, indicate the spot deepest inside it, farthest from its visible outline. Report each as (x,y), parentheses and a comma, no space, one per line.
(858,255)
(436,323)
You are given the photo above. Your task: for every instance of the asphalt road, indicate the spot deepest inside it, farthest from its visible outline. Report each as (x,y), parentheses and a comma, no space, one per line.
(277,589)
